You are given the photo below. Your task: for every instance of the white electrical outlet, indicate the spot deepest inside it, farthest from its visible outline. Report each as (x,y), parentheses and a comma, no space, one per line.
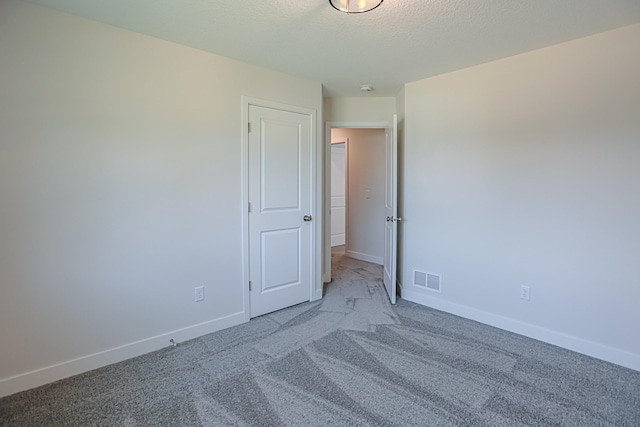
(199,293)
(525,293)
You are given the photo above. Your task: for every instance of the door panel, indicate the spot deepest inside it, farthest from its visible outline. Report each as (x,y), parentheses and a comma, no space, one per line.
(280,259)
(338,226)
(280,168)
(280,196)
(338,209)
(391,209)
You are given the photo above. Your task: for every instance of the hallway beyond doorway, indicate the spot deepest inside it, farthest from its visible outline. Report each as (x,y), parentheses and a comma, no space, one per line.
(357,291)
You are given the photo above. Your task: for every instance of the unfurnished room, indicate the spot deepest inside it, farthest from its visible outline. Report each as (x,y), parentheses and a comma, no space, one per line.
(319,212)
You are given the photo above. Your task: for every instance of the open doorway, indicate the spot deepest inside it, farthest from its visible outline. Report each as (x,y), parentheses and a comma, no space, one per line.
(363,215)
(358,192)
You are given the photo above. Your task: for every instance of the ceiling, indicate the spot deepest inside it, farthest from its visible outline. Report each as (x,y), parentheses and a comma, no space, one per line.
(399,42)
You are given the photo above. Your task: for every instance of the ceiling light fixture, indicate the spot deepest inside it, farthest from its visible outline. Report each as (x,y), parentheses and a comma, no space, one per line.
(355,6)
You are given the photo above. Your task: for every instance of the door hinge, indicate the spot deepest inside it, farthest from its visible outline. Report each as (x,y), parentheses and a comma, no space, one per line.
(249,207)
(249,285)
(249,127)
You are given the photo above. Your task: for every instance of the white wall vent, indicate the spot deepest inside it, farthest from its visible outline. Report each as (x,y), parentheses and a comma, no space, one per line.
(433,282)
(429,281)
(420,278)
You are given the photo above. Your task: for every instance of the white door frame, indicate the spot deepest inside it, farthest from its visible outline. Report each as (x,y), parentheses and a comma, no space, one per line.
(315,287)
(326,274)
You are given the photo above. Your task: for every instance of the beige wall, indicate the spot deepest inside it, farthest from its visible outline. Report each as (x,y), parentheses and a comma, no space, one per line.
(525,171)
(367,109)
(120,189)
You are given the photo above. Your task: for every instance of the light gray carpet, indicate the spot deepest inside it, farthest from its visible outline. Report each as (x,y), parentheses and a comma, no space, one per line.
(349,360)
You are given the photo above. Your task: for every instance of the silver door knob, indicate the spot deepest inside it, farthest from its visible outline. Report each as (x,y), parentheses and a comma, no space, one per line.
(388,218)
(307,217)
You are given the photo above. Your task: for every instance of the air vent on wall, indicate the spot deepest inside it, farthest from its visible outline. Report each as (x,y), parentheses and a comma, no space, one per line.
(433,282)
(427,280)
(420,278)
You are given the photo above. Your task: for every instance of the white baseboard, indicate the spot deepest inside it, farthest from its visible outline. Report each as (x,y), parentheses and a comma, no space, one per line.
(69,368)
(337,239)
(589,348)
(365,257)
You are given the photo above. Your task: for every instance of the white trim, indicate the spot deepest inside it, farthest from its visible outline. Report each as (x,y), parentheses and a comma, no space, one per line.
(244,210)
(590,348)
(337,239)
(346,196)
(82,364)
(315,285)
(326,194)
(365,257)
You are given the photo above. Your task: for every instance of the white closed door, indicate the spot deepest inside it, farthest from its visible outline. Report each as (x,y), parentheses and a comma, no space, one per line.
(391,209)
(338,206)
(280,190)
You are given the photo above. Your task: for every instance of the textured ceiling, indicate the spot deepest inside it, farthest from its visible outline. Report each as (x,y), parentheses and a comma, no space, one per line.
(399,42)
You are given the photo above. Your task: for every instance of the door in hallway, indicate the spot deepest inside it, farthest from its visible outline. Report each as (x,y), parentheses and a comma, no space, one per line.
(338,216)
(280,200)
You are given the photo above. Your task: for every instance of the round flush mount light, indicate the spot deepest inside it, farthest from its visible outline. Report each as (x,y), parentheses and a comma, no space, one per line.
(366,88)
(355,6)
